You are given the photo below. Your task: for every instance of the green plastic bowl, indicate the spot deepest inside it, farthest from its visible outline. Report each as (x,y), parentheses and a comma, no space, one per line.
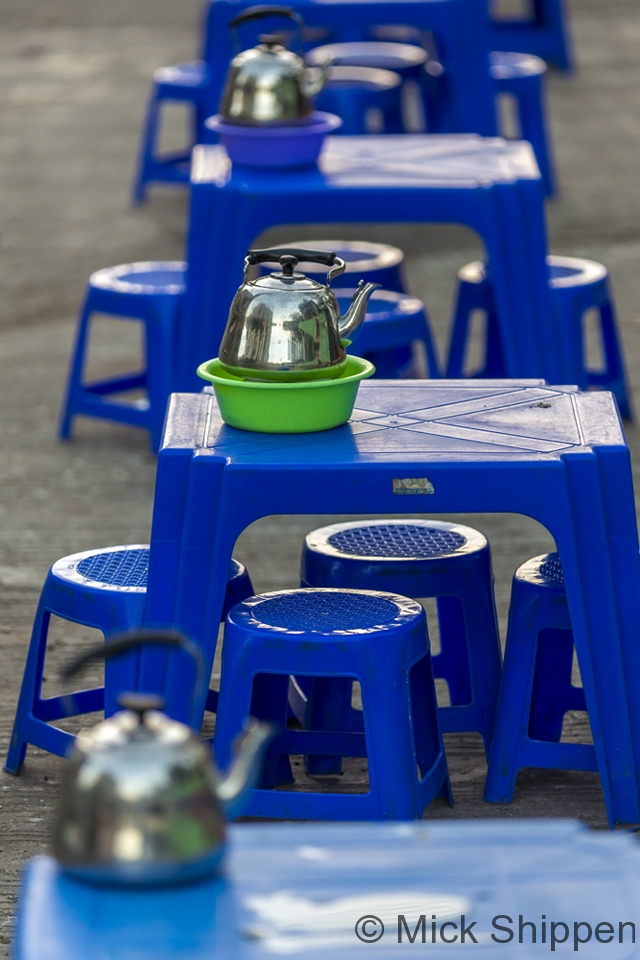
(301,407)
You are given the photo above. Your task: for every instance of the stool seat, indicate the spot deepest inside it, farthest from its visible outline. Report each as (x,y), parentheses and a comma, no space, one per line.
(151,292)
(186,83)
(505,65)
(105,589)
(398,57)
(367,99)
(424,558)
(325,635)
(542,31)
(577,286)
(372,262)
(537,688)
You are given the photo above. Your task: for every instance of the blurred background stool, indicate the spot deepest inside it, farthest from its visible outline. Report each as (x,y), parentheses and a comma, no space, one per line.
(185,83)
(104,589)
(544,32)
(368,100)
(536,690)
(371,262)
(404,59)
(151,293)
(577,286)
(420,559)
(379,639)
(521,76)
(394,324)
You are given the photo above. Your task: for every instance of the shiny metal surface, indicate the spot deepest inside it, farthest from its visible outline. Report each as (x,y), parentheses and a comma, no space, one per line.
(269,84)
(142,802)
(286,326)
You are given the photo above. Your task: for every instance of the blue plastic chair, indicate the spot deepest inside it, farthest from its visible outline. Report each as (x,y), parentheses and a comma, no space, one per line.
(105,589)
(379,639)
(536,690)
(368,100)
(521,76)
(393,324)
(544,34)
(425,558)
(185,83)
(577,286)
(372,262)
(151,293)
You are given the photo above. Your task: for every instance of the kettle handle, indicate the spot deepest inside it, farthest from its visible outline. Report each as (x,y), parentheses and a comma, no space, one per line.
(128,641)
(326,257)
(261,11)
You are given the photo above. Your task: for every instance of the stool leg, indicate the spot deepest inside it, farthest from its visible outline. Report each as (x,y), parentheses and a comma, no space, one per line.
(29,691)
(74,383)
(269,702)
(147,147)
(552,690)
(160,346)
(514,703)
(616,379)
(533,126)
(327,705)
(428,738)
(452,663)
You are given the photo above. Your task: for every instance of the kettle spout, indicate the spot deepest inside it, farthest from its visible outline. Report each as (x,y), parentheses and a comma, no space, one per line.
(350,323)
(315,78)
(245,770)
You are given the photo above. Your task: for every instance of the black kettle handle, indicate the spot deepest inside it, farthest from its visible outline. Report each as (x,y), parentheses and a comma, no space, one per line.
(326,257)
(128,641)
(262,11)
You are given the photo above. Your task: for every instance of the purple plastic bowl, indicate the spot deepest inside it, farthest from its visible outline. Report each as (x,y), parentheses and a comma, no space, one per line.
(293,146)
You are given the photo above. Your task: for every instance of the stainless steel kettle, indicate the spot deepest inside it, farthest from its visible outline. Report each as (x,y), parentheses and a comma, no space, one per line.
(286,326)
(141,801)
(268,84)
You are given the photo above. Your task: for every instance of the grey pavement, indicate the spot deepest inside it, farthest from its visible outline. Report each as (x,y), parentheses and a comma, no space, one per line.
(73,82)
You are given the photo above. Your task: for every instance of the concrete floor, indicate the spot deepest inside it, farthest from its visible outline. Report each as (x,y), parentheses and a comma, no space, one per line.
(74,78)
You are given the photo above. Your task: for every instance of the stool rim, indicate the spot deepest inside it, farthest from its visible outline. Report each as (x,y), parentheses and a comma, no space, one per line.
(383,254)
(318,540)
(109,278)
(410,53)
(507,65)
(367,76)
(530,572)
(190,72)
(408,610)
(589,271)
(66,568)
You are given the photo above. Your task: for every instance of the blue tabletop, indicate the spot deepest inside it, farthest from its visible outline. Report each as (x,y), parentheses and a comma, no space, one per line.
(417,421)
(300,890)
(389,161)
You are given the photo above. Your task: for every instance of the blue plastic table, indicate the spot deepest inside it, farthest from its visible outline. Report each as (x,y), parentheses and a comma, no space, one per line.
(490,185)
(300,890)
(492,446)
(461,29)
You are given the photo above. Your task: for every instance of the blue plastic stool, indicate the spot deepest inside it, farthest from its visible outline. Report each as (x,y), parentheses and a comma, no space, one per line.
(152,293)
(426,558)
(393,323)
(406,60)
(105,589)
(521,76)
(577,285)
(371,262)
(545,34)
(185,83)
(377,638)
(536,689)
(354,92)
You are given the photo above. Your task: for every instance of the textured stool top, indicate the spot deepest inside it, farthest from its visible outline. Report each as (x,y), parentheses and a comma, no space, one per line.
(551,569)
(123,568)
(396,540)
(325,611)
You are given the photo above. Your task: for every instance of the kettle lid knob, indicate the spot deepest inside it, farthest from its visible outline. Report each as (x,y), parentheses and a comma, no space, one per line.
(140,703)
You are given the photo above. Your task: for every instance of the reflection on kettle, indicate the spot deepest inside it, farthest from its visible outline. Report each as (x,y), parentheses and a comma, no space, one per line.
(286,326)
(141,801)
(268,84)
